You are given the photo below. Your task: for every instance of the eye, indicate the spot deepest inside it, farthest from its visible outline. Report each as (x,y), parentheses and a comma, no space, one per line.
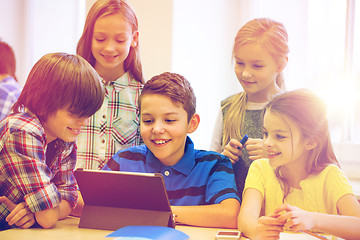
(147,121)
(100,39)
(265,134)
(278,136)
(258,66)
(170,120)
(240,63)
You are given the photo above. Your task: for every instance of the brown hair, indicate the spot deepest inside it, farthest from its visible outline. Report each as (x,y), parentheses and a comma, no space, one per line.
(103,8)
(309,113)
(61,81)
(273,37)
(7,60)
(174,86)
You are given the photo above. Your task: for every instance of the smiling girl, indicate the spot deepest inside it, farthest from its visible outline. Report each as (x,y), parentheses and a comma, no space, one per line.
(260,52)
(300,187)
(110,43)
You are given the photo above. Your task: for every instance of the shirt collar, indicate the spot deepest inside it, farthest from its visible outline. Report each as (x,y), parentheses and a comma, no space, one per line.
(120,83)
(184,166)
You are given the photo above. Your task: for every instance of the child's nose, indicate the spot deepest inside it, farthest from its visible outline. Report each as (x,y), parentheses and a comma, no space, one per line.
(268,142)
(158,128)
(110,45)
(246,73)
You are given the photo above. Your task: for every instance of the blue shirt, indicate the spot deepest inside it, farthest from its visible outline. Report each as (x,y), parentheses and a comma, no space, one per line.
(199,178)
(9,93)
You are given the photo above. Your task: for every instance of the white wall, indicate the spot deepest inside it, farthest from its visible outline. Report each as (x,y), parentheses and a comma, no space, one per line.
(34,28)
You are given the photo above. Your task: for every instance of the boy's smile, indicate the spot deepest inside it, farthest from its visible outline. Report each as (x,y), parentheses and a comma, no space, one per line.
(64,125)
(164,127)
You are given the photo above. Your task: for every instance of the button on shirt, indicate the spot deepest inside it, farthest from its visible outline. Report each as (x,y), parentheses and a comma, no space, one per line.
(200,177)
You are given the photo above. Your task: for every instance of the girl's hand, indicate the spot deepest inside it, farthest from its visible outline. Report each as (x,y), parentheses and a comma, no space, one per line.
(268,227)
(256,149)
(294,218)
(20,215)
(233,150)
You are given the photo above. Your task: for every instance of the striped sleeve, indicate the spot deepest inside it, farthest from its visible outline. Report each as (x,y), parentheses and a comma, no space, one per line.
(221,184)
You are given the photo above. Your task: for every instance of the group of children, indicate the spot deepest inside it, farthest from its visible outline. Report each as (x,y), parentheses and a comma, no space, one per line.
(293,180)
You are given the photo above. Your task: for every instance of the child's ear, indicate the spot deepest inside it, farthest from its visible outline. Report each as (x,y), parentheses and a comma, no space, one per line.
(135,39)
(311,143)
(194,123)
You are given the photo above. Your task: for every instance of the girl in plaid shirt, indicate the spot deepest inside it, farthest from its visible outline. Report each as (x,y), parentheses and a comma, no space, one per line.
(110,44)
(37,141)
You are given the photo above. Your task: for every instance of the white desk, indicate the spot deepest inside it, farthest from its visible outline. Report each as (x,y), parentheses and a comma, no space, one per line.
(67,229)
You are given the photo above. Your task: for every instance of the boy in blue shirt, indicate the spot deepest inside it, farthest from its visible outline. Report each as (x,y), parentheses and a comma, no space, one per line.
(200,184)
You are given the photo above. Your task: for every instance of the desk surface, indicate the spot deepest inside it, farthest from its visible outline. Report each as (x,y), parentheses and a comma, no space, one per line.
(67,229)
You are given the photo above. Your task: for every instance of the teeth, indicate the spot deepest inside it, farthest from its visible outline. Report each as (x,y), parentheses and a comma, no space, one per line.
(160,141)
(273,154)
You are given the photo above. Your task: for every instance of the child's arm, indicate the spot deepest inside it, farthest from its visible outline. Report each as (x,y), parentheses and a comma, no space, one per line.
(79,206)
(250,223)
(19,215)
(222,215)
(22,217)
(48,218)
(345,226)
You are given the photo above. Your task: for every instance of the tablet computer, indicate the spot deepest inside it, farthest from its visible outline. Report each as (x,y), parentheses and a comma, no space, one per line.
(114,199)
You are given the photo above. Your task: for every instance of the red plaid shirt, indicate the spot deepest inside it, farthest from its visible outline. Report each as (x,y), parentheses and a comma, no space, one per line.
(32,171)
(113,127)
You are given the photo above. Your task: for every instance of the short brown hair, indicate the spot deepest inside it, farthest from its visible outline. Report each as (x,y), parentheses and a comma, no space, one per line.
(174,86)
(61,81)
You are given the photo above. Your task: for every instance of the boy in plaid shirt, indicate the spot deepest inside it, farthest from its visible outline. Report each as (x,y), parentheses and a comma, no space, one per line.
(37,141)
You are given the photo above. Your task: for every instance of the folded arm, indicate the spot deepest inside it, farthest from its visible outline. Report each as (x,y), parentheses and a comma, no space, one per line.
(222,215)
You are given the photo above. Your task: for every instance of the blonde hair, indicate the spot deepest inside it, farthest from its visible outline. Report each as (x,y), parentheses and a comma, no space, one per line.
(273,37)
(103,8)
(309,113)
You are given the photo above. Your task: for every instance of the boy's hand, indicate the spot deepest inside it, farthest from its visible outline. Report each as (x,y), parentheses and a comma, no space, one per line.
(233,150)
(20,215)
(294,218)
(256,149)
(268,227)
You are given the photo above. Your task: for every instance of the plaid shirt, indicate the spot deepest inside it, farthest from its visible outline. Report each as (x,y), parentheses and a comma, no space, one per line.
(114,127)
(31,171)
(9,93)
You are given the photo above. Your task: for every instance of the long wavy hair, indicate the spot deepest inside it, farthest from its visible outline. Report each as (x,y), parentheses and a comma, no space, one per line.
(308,111)
(103,8)
(273,36)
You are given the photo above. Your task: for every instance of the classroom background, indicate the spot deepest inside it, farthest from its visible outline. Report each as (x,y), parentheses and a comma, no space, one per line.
(195,37)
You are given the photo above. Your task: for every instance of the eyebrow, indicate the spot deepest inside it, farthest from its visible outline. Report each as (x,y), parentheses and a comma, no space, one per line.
(252,61)
(170,113)
(277,130)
